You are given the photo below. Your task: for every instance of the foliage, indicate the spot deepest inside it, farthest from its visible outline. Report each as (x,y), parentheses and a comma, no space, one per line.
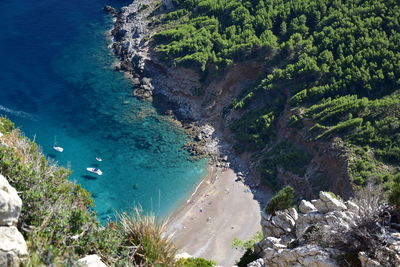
(195,262)
(6,126)
(367,233)
(144,237)
(283,155)
(282,200)
(394,194)
(338,61)
(57,219)
(244,245)
(248,257)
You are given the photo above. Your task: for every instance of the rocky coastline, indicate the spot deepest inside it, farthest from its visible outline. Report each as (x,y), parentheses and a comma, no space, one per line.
(175,90)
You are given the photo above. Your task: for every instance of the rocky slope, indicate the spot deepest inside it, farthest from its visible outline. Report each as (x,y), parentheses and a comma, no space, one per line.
(182,91)
(330,232)
(206,102)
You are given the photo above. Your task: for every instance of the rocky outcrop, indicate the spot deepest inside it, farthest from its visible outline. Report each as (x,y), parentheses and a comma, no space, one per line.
(91,261)
(12,244)
(310,237)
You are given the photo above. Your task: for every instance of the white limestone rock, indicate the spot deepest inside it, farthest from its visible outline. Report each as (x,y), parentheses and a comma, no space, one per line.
(293,213)
(306,206)
(91,261)
(270,229)
(12,246)
(183,255)
(256,263)
(331,202)
(320,205)
(310,256)
(10,203)
(366,261)
(284,221)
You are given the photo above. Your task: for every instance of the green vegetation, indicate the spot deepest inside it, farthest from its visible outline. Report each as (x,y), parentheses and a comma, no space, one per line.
(57,219)
(283,155)
(334,64)
(282,200)
(195,262)
(248,244)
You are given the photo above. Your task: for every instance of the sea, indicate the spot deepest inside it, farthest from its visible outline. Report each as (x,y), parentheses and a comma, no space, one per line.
(58,84)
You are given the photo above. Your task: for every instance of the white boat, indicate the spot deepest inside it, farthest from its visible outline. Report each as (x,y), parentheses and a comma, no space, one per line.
(58,148)
(99,159)
(95,170)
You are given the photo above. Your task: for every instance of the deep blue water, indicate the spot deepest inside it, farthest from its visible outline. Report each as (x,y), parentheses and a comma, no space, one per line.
(57,83)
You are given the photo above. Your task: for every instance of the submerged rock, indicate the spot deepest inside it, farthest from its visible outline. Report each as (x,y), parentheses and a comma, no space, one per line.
(110,9)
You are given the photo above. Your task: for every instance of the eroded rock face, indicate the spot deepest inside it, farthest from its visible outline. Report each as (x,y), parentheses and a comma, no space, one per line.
(10,203)
(12,244)
(286,241)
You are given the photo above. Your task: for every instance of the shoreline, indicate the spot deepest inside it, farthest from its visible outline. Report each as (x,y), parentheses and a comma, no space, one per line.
(224,204)
(220,209)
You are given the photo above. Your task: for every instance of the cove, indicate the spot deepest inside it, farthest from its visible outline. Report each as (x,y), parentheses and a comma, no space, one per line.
(58,85)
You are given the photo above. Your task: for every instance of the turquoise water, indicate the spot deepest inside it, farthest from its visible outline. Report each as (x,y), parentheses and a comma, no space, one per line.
(57,83)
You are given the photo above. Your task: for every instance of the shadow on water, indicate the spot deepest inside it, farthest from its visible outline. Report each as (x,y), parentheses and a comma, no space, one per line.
(89,177)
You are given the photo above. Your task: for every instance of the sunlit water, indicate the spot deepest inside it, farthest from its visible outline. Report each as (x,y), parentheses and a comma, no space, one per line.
(57,83)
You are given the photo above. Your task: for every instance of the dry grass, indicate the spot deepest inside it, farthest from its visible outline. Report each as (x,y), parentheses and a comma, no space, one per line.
(145,237)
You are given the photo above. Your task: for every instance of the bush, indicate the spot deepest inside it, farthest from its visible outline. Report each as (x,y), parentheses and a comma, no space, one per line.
(394,194)
(195,262)
(367,234)
(248,256)
(284,199)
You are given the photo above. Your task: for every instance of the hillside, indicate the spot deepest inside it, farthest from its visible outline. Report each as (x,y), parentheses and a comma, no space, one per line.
(324,111)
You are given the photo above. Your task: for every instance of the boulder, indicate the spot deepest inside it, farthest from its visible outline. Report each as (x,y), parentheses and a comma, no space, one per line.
(293,213)
(310,256)
(91,261)
(306,206)
(320,205)
(284,221)
(109,9)
(256,263)
(12,246)
(331,202)
(10,203)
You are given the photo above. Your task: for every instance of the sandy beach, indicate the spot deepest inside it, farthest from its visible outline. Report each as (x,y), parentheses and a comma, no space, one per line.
(221,208)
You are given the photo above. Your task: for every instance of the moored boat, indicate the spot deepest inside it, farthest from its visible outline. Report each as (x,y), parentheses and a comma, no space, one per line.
(94,170)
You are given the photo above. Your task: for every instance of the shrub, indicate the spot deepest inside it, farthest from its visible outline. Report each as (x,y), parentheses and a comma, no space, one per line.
(148,245)
(284,199)
(367,234)
(195,262)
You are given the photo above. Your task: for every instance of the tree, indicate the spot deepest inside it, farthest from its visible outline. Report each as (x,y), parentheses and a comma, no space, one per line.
(284,199)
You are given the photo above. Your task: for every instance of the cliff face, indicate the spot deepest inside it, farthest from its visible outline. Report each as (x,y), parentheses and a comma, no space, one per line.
(13,247)
(207,100)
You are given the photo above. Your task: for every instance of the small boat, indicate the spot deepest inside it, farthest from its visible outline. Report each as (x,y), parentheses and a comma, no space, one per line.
(58,148)
(95,170)
(99,159)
